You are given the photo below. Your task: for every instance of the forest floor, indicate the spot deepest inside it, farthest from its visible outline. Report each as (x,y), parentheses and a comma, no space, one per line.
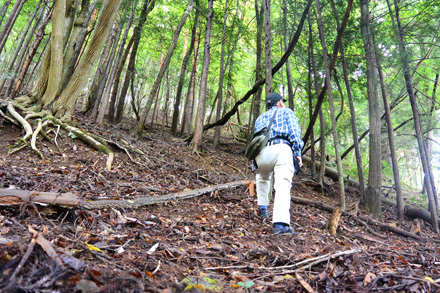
(211,243)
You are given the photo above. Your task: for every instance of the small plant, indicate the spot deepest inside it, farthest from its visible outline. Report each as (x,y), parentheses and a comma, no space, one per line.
(246,285)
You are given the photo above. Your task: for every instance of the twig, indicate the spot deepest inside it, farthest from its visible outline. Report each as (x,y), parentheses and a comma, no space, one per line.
(23,260)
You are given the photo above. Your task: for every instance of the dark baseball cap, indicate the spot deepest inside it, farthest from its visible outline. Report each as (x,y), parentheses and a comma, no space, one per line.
(273,98)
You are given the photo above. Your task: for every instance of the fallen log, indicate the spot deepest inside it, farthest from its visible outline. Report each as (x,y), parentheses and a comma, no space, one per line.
(329,208)
(10,197)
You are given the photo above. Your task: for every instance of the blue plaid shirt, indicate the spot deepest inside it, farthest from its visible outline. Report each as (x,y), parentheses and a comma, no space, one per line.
(285,124)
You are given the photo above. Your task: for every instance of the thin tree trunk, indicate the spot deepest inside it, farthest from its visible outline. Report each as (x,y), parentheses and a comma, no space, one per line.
(260,82)
(116,106)
(332,110)
(22,47)
(33,50)
(256,99)
(198,131)
(189,103)
(353,115)
(6,30)
(147,7)
(288,71)
(187,57)
(119,64)
(77,39)
(4,10)
(162,69)
(373,195)
(321,115)
(417,124)
(106,79)
(398,188)
(219,96)
(321,96)
(309,95)
(267,47)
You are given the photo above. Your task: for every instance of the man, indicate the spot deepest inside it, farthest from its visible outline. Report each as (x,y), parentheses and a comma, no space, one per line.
(277,157)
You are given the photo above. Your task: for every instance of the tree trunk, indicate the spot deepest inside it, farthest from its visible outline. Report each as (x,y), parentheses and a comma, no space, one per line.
(417,124)
(373,195)
(105,82)
(77,39)
(353,114)
(256,99)
(198,131)
(6,30)
(4,10)
(63,106)
(219,95)
(309,94)
(260,82)
(267,47)
(332,110)
(189,103)
(32,51)
(321,96)
(162,69)
(147,7)
(22,47)
(288,71)
(119,64)
(178,99)
(398,188)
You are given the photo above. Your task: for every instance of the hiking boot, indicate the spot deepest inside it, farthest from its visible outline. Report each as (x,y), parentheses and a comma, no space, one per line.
(263,212)
(282,228)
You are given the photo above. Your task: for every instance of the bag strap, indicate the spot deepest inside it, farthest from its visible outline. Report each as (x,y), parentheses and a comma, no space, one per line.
(271,120)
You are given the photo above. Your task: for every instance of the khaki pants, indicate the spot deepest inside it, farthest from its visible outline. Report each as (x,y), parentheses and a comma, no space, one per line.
(278,160)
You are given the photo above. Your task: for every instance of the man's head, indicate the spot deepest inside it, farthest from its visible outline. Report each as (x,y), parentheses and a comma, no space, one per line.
(272,99)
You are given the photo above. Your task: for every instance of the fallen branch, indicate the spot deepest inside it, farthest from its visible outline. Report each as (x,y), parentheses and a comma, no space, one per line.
(366,219)
(11,197)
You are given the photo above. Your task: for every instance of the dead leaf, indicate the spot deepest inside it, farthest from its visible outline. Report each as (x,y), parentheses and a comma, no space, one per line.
(368,278)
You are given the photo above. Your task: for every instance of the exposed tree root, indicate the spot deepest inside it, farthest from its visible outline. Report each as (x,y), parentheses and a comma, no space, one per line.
(94,141)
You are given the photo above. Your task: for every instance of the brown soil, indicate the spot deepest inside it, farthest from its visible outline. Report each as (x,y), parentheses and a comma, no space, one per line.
(214,242)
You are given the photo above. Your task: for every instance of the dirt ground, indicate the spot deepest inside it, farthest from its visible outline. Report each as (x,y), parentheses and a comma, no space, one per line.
(210,243)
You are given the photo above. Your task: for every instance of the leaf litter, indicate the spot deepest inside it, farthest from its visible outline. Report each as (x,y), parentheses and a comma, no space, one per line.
(210,243)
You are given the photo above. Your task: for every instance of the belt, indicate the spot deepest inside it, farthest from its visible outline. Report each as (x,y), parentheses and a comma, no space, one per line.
(278,141)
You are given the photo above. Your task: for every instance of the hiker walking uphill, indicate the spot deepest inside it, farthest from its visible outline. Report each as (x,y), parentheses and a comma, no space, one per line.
(277,157)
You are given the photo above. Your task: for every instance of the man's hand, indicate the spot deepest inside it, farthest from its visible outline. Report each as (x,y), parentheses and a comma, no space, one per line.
(300,160)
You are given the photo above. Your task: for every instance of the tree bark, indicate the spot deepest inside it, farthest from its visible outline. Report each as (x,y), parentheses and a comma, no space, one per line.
(6,30)
(267,47)
(198,131)
(290,93)
(189,103)
(358,154)
(163,68)
(146,8)
(63,106)
(322,150)
(417,124)
(119,64)
(331,106)
(260,82)
(398,187)
(23,47)
(375,171)
(178,99)
(219,95)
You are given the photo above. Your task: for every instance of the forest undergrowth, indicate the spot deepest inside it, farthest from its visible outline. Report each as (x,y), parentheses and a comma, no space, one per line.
(214,242)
